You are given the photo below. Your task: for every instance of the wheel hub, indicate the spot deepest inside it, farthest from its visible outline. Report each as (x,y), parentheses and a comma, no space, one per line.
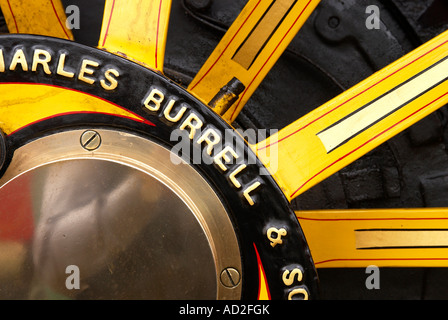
(121,216)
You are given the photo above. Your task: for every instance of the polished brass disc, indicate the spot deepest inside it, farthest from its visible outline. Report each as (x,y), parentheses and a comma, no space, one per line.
(118,221)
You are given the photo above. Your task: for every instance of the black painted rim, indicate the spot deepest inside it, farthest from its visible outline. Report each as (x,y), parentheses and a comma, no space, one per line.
(250,222)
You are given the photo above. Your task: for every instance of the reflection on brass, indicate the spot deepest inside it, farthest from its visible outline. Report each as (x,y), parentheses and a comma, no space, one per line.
(136,225)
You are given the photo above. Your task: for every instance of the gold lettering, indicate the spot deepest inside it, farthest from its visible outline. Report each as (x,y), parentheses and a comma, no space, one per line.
(207,137)
(86,70)
(60,70)
(168,109)
(19,58)
(288,276)
(248,190)
(232,178)
(109,77)
(41,57)
(301,291)
(224,155)
(275,235)
(193,122)
(156,97)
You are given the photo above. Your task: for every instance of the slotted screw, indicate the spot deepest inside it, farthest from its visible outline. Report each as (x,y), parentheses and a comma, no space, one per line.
(230,277)
(90,140)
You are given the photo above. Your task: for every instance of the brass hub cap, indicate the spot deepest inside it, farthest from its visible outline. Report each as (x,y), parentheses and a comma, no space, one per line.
(124,215)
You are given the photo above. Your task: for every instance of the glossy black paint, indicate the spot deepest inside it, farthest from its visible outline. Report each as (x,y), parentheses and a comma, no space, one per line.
(251,222)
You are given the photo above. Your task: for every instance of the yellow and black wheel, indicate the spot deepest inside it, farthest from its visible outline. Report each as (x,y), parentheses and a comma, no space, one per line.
(146,153)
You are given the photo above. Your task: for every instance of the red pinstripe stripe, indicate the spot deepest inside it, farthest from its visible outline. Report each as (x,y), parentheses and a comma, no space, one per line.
(59,20)
(345,102)
(13,16)
(260,267)
(365,143)
(108,23)
(371,219)
(157,35)
(207,72)
(269,58)
(140,119)
(383,259)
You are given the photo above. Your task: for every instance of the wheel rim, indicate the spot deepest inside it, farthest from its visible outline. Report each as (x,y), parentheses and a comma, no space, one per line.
(244,262)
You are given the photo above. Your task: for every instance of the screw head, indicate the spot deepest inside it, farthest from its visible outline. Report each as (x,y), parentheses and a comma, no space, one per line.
(230,277)
(90,140)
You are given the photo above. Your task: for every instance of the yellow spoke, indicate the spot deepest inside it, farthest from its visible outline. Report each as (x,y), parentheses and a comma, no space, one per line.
(42,17)
(347,127)
(247,52)
(44,102)
(385,238)
(136,30)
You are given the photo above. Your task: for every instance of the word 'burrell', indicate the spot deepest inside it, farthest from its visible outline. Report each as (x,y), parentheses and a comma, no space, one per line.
(201,133)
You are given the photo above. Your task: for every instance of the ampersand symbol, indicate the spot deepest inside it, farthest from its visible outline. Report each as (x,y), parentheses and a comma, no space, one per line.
(275,235)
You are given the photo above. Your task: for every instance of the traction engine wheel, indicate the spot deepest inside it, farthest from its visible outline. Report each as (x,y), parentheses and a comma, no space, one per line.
(140,156)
